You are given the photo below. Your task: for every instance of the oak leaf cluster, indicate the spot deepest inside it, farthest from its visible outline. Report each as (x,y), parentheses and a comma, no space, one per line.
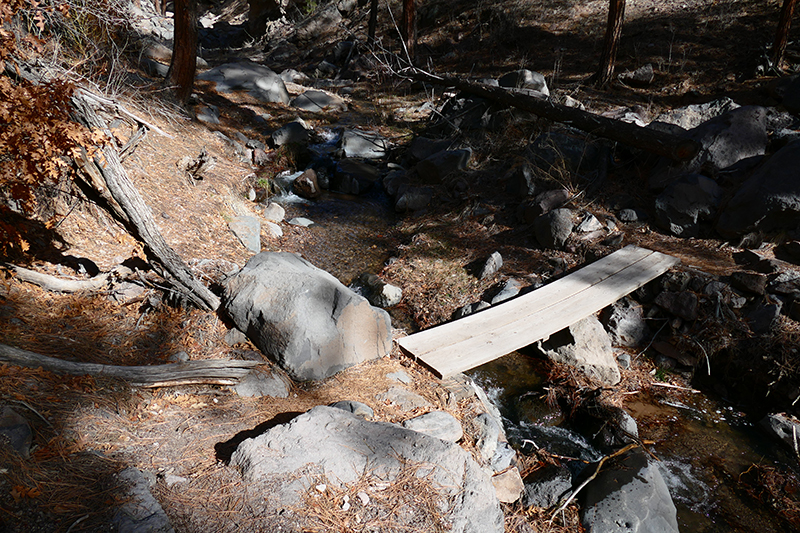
(38,139)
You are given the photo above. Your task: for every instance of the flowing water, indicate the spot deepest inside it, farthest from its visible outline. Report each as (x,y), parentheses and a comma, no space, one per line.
(704,444)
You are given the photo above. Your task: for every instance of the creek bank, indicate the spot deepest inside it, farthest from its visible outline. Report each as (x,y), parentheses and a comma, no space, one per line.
(681,303)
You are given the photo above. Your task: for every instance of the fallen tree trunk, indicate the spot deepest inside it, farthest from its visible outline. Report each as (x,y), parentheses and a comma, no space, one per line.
(208,372)
(134,212)
(664,144)
(54,284)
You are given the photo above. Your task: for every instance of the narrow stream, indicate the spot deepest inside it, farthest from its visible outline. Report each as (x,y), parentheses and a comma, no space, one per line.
(704,444)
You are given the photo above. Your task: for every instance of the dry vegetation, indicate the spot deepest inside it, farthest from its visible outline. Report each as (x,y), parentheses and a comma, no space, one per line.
(86,430)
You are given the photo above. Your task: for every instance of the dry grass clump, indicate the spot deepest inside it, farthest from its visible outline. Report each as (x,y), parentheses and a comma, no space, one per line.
(410,502)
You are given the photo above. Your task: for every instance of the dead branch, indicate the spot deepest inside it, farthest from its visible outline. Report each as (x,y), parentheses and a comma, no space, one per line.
(135,211)
(102,101)
(55,284)
(590,478)
(133,142)
(207,372)
(664,144)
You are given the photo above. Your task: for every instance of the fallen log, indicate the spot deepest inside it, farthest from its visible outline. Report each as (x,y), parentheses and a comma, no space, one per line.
(207,372)
(664,144)
(135,212)
(55,284)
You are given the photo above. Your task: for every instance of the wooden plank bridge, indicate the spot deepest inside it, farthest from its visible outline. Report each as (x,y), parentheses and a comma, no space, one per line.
(499,330)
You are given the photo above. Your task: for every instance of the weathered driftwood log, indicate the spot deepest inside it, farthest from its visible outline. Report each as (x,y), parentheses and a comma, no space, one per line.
(664,144)
(137,214)
(55,284)
(208,372)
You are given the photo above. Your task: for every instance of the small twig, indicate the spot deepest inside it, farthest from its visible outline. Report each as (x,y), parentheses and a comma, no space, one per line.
(78,521)
(670,386)
(708,361)
(590,478)
(649,344)
(37,413)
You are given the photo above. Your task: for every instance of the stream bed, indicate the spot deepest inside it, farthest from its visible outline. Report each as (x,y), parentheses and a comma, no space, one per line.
(704,444)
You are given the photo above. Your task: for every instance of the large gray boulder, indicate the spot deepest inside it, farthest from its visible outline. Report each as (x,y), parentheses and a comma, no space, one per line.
(318,101)
(341,447)
(558,152)
(303,317)
(363,145)
(546,486)
(691,116)
(732,136)
(554,228)
(586,346)
(352,176)
(260,81)
(624,320)
(631,498)
(686,202)
(769,199)
(724,140)
(141,512)
(438,166)
(525,79)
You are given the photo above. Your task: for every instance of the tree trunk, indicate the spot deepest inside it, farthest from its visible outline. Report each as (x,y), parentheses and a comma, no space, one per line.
(672,146)
(373,22)
(209,372)
(184,51)
(616,14)
(409,27)
(782,35)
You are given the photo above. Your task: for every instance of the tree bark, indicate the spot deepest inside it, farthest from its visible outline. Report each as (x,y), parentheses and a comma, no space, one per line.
(408,28)
(136,214)
(782,34)
(373,22)
(209,372)
(616,14)
(672,146)
(184,51)
(54,284)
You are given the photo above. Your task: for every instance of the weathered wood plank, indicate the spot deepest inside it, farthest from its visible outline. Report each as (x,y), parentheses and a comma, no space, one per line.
(497,331)
(494,317)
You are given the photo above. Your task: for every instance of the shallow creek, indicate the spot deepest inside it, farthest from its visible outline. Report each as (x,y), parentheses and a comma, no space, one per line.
(704,444)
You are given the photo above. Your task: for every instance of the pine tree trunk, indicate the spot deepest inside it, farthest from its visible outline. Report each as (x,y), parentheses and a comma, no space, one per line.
(373,22)
(409,27)
(184,51)
(782,35)
(616,14)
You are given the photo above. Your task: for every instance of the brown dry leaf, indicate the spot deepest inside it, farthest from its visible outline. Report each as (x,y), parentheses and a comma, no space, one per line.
(20,492)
